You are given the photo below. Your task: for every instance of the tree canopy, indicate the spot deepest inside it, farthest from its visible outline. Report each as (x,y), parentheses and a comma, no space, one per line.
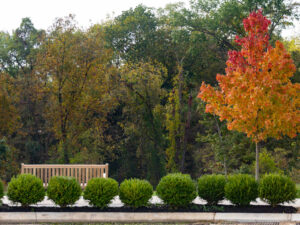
(256,95)
(124,91)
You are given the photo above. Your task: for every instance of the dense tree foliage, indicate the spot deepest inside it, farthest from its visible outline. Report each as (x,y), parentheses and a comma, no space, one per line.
(256,95)
(125,92)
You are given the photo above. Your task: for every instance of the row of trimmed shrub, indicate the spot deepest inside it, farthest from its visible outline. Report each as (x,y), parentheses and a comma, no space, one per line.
(241,189)
(176,190)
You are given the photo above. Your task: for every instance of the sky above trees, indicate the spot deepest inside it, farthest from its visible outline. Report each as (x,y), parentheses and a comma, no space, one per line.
(43,13)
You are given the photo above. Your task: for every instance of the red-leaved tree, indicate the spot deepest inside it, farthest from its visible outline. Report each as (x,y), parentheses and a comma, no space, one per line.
(256,95)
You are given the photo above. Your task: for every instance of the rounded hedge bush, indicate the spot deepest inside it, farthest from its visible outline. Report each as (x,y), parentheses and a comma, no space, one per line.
(100,191)
(63,191)
(135,192)
(241,189)
(26,189)
(177,190)
(212,188)
(276,189)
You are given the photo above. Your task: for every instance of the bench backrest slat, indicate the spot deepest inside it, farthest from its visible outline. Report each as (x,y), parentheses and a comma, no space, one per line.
(82,173)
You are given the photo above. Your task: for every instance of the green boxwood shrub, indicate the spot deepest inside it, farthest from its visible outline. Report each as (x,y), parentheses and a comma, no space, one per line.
(26,189)
(100,191)
(241,189)
(276,189)
(177,190)
(135,192)
(63,191)
(212,188)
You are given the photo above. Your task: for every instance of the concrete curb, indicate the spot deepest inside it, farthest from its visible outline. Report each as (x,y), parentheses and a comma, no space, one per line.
(87,217)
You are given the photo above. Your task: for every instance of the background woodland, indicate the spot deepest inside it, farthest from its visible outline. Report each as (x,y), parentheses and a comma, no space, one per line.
(124,92)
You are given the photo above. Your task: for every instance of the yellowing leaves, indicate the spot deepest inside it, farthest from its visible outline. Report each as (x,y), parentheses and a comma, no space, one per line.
(256,95)
(75,67)
(9,117)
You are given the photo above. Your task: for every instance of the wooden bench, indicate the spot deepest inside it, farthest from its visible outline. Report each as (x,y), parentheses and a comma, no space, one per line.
(82,173)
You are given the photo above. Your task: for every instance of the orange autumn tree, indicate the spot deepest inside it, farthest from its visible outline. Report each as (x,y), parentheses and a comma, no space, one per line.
(256,95)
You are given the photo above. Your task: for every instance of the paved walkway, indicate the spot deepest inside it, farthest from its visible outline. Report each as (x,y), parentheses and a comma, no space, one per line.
(154,200)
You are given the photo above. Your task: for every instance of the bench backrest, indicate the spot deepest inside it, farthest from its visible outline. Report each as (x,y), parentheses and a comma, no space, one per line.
(82,173)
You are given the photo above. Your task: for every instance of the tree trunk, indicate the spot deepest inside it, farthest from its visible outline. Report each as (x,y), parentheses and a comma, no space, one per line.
(222,147)
(65,150)
(63,127)
(180,84)
(186,132)
(225,166)
(257,161)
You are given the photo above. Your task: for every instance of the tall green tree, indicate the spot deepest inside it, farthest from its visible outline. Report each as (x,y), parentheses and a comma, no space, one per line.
(143,127)
(222,20)
(132,35)
(18,59)
(186,47)
(18,51)
(76,69)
